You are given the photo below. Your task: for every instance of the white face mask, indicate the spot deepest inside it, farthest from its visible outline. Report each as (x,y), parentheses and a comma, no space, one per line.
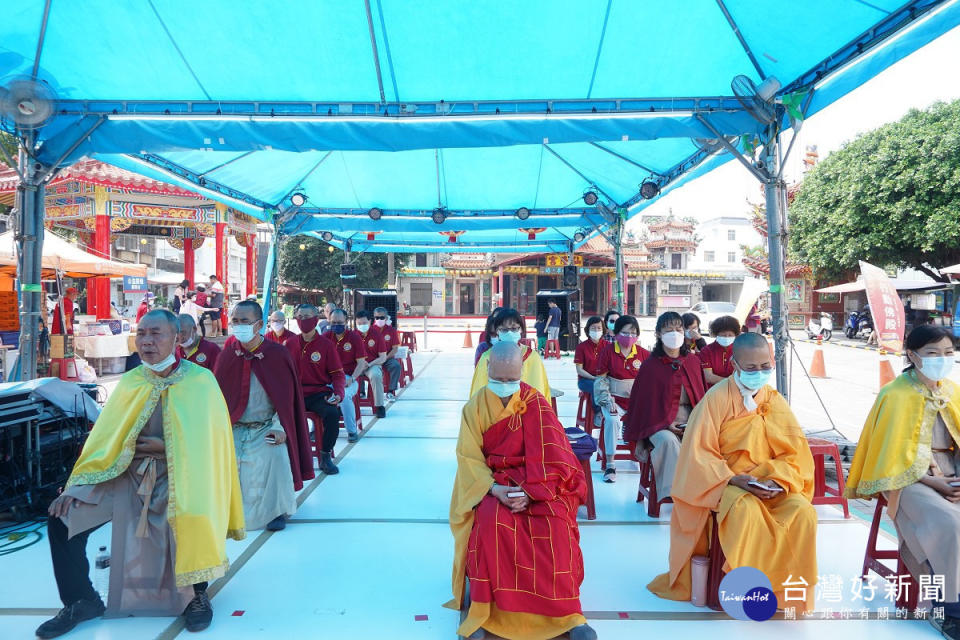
(672,339)
(363,328)
(278,327)
(188,343)
(596,334)
(725,341)
(504,389)
(242,332)
(163,364)
(936,367)
(381,323)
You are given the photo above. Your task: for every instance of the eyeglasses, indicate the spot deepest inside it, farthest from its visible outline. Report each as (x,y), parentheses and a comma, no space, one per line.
(379,317)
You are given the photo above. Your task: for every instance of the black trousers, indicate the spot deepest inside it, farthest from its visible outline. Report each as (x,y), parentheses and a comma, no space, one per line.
(70,565)
(329,415)
(395,369)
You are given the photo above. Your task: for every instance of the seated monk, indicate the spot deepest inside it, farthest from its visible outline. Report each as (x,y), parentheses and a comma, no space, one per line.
(908,453)
(514,512)
(163,436)
(508,327)
(745,457)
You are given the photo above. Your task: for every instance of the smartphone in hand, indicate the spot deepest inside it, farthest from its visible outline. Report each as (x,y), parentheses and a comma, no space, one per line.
(760,485)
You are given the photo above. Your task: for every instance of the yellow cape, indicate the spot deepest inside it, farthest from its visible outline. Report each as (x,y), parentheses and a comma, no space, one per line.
(894,448)
(533,372)
(205,505)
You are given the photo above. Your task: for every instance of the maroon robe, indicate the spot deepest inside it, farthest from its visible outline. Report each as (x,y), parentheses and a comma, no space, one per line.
(205,355)
(279,338)
(277,374)
(655,396)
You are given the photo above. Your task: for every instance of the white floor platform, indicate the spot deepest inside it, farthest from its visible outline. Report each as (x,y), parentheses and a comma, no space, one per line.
(368,554)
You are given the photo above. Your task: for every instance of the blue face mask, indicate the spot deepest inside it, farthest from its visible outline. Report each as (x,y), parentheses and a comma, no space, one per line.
(503,389)
(754,379)
(509,336)
(611,325)
(937,367)
(338,328)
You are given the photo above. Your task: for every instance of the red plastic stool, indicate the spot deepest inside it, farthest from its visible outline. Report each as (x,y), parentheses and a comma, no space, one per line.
(822,492)
(590,504)
(365,389)
(552,349)
(621,451)
(648,489)
(65,369)
(407,370)
(317,434)
(528,342)
(408,339)
(873,556)
(585,412)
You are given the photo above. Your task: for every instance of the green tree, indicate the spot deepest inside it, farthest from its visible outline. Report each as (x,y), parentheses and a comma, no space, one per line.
(309,263)
(890,197)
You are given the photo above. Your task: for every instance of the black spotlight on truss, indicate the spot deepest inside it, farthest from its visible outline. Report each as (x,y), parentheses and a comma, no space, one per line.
(439,215)
(523,213)
(298,199)
(327,236)
(590,197)
(579,236)
(375,213)
(649,190)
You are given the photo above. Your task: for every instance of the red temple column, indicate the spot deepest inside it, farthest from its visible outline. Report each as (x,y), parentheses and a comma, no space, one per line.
(189,264)
(98,298)
(251,241)
(611,302)
(223,257)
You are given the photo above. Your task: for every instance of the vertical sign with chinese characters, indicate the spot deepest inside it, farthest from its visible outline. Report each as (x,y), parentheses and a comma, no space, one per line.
(885,307)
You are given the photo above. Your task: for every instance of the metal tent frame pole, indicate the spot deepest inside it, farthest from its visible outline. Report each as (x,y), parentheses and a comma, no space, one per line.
(269,277)
(30,202)
(617,238)
(776,236)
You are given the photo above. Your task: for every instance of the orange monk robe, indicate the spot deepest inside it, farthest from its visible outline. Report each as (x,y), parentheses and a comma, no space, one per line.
(776,536)
(525,569)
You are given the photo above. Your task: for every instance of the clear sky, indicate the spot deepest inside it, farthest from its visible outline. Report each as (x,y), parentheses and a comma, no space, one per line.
(926,76)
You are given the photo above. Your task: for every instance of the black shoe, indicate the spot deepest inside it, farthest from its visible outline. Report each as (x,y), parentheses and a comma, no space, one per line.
(353,437)
(198,613)
(610,475)
(277,524)
(381,412)
(71,616)
(326,464)
(583,632)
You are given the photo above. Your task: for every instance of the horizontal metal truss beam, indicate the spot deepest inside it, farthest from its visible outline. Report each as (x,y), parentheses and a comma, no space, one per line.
(134,109)
(453,214)
(196,178)
(888,26)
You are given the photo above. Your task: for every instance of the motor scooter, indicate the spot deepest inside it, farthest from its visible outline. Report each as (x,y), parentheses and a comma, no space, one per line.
(820,327)
(858,323)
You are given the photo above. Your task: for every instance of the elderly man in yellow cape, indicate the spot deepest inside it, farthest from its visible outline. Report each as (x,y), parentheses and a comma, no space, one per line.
(159,464)
(514,512)
(745,457)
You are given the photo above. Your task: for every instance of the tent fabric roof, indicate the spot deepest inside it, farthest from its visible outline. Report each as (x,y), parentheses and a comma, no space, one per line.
(899,285)
(476,108)
(60,255)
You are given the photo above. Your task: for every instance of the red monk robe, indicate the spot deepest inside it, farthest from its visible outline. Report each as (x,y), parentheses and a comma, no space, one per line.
(276,372)
(655,397)
(525,569)
(203,353)
(279,338)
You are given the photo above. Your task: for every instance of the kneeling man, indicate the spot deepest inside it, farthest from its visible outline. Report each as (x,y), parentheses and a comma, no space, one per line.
(514,512)
(745,457)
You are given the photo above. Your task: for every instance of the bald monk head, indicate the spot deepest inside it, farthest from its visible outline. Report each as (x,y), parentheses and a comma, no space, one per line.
(504,369)
(751,357)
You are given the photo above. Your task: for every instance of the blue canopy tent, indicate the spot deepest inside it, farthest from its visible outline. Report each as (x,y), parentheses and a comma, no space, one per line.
(437,115)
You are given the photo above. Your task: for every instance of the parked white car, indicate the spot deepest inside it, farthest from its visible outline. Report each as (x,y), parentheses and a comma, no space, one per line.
(710,311)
